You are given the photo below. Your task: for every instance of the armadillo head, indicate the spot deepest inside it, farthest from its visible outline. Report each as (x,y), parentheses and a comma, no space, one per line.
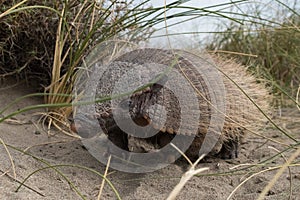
(141,104)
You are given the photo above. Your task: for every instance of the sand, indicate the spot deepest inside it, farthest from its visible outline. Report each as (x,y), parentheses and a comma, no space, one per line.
(25,133)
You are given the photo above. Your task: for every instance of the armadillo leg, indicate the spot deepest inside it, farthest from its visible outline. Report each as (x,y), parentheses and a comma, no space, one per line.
(229,149)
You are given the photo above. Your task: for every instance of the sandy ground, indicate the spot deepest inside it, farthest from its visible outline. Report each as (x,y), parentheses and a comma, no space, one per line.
(60,149)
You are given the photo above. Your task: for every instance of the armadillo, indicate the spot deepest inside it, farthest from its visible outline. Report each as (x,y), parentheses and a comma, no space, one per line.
(158,107)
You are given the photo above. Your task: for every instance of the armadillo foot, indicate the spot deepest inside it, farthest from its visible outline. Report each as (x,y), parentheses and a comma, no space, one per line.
(229,149)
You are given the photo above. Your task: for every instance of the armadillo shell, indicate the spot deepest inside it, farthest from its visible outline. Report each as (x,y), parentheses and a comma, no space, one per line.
(183,64)
(240,89)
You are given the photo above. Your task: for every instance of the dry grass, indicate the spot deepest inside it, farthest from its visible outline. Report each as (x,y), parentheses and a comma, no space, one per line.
(274,52)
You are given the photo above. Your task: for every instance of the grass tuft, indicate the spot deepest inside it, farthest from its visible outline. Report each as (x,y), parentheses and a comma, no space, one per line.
(275,48)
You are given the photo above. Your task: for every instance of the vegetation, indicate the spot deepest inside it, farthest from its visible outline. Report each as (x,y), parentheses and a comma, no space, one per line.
(47,41)
(270,50)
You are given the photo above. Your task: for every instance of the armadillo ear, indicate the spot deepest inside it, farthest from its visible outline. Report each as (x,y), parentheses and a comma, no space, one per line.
(161,81)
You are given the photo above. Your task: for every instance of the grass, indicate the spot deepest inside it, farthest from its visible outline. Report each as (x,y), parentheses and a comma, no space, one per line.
(65,32)
(273,49)
(26,52)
